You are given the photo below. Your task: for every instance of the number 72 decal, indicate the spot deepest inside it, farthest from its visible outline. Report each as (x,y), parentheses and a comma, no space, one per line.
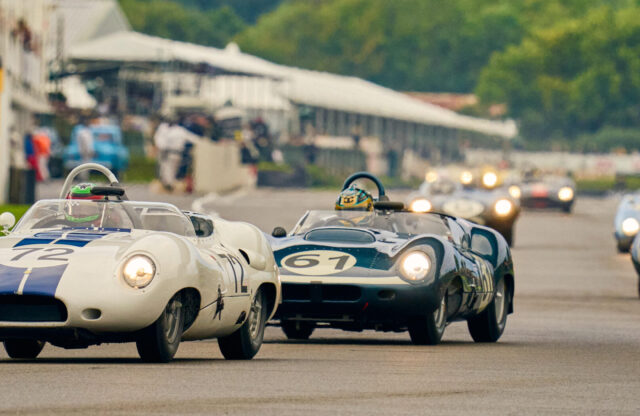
(318,262)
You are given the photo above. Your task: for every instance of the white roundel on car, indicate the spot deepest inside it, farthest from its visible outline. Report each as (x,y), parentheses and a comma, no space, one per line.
(464,208)
(318,262)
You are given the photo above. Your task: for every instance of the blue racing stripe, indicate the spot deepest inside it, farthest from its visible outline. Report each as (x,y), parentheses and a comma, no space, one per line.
(75,243)
(32,241)
(10,278)
(44,280)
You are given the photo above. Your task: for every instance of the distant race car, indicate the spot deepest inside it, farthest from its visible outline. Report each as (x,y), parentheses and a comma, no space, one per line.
(548,191)
(389,269)
(627,221)
(78,272)
(635,258)
(108,147)
(482,201)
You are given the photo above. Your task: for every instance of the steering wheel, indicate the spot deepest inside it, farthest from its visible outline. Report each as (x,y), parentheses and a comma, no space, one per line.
(372,178)
(113,181)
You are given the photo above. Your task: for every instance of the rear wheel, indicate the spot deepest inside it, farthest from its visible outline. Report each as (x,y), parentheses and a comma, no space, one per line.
(428,330)
(158,343)
(245,343)
(26,349)
(297,329)
(489,325)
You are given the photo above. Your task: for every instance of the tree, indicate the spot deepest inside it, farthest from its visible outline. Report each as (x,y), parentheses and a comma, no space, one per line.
(574,78)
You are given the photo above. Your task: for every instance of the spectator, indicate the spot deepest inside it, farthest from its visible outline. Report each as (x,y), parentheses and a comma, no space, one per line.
(42,149)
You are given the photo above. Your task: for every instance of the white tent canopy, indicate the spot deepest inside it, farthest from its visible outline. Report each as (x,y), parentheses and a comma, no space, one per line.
(312,88)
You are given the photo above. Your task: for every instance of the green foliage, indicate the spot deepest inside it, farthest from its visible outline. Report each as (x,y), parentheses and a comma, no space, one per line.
(169,19)
(319,177)
(141,170)
(609,139)
(17,210)
(275,167)
(573,78)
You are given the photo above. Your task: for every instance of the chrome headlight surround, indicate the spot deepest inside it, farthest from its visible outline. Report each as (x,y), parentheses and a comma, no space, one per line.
(565,194)
(138,271)
(630,226)
(420,205)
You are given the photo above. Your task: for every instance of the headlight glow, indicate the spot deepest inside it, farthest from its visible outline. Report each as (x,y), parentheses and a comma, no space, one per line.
(515,192)
(630,226)
(431,176)
(565,194)
(415,266)
(503,207)
(420,205)
(466,177)
(489,179)
(138,271)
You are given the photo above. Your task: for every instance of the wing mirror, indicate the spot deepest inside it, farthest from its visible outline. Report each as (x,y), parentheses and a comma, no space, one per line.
(7,220)
(279,232)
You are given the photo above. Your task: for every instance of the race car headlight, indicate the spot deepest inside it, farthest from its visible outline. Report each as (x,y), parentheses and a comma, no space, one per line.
(415,266)
(565,194)
(431,176)
(515,192)
(630,226)
(489,179)
(420,205)
(466,177)
(139,271)
(503,207)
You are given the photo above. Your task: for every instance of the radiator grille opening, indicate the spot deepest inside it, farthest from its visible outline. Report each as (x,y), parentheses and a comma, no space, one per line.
(30,308)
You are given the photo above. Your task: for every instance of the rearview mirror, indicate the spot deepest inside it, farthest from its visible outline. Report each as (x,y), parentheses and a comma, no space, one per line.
(279,232)
(7,220)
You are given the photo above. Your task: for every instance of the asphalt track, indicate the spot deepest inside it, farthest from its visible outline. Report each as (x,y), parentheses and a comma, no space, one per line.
(572,346)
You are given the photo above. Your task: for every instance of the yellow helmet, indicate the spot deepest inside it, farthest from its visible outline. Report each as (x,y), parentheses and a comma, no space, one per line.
(354,199)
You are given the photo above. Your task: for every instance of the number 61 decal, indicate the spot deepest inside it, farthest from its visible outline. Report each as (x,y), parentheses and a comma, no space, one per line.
(318,262)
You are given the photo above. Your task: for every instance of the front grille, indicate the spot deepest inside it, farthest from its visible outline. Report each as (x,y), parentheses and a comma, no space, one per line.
(320,292)
(28,308)
(340,292)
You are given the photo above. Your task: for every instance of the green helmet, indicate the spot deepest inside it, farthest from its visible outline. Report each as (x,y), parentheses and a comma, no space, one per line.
(81,212)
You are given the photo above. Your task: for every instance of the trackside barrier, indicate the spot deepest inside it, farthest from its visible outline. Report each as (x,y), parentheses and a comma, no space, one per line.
(217,167)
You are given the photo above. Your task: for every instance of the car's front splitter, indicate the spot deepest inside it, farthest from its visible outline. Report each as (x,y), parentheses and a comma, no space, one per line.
(357,305)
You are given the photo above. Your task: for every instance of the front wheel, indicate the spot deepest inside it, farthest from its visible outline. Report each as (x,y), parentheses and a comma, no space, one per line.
(26,349)
(297,329)
(245,343)
(158,343)
(428,330)
(622,248)
(489,325)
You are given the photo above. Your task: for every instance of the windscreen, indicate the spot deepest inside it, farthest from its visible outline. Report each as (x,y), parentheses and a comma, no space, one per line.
(402,223)
(75,213)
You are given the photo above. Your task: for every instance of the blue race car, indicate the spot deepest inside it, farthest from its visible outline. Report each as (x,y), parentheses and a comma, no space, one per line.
(108,147)
(627,221)
(388,269)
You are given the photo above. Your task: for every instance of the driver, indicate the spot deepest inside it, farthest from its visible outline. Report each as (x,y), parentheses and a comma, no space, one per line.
(356,199)
(89,214)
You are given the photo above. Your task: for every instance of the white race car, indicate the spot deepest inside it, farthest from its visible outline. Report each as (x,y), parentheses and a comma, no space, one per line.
(80,272)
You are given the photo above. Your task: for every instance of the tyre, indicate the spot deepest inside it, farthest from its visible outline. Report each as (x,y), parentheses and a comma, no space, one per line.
(622,248)
(297,329)
(566,209)
(26,349)
(508,236)
(245,343)
(489,325)
(158,343)
(428,330)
